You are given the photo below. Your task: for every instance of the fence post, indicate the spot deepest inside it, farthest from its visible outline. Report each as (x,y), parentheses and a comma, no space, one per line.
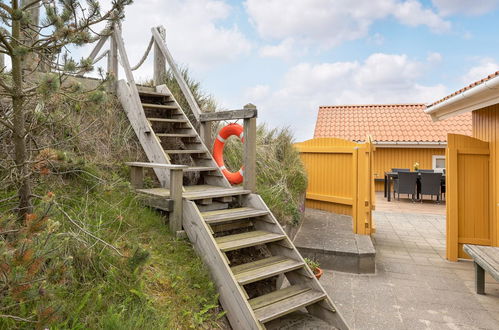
(137,177)
(249,151)
(159,59)
(355,197)
(175,217)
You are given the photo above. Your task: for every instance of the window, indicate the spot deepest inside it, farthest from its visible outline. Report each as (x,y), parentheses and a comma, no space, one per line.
(438,163)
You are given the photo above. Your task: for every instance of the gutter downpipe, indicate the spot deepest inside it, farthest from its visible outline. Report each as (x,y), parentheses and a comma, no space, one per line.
(491,84)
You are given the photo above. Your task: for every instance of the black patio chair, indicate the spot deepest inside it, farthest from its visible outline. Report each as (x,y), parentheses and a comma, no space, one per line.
(396,170)
(426,171)
(405,184)
(431,185)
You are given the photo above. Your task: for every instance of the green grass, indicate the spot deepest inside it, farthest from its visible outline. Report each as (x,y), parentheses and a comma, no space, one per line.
(159,283)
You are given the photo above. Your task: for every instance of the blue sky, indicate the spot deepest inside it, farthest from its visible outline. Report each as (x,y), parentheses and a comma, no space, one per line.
(290,56)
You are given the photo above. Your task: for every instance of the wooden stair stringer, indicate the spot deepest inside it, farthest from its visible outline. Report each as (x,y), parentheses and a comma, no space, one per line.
(232,297)
(142,128)
(220,180)
(324,309)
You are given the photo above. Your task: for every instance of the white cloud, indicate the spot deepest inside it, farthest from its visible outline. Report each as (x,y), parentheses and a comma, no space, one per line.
(196,33)
(282,50)
(467,7)
(380,78)
(434,57)
(412,13)
(377,39)
(326,23)
(485,67)
(257,92)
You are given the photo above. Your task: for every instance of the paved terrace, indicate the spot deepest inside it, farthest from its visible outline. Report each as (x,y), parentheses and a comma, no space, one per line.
(414,286)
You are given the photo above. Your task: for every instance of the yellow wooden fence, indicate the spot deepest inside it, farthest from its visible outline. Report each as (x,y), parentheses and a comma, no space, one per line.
(467,195)
(340,178)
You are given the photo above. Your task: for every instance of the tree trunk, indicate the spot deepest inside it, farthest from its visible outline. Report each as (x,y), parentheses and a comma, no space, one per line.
(19,123)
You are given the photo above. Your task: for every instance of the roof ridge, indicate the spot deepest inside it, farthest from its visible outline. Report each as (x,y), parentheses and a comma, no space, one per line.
(374,105)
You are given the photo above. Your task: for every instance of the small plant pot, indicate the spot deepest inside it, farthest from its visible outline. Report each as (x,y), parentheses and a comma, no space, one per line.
(318,273)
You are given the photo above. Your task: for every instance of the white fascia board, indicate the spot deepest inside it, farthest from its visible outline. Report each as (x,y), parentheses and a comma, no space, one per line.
(478,97)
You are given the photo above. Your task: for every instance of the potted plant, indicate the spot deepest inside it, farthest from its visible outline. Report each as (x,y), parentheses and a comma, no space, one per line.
(416,166)
(314,266)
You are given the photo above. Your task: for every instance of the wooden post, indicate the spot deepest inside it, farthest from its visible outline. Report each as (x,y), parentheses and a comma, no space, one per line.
(33,14)
(112,58)
(176,176)
(137,177)
(205,134)
(159,60)
(250,151)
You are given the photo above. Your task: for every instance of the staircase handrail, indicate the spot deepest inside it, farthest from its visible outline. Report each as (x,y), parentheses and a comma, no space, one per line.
(117,36)
(160,42)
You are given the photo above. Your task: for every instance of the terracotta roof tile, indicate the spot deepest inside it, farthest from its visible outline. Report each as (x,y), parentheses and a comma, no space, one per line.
(387,122)
(470,86)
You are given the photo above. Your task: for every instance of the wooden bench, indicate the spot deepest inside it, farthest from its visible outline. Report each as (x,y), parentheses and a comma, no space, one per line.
(485,258)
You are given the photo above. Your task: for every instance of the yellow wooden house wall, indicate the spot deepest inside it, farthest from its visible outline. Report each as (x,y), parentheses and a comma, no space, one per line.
(486,128)
(387,158)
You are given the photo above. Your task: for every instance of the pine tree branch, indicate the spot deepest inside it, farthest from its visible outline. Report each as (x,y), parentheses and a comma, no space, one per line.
(31,4)
(6,8)
(6,44)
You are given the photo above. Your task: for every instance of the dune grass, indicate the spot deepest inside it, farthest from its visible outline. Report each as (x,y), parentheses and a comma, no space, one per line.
(281,177)
(158,282)
(61,270)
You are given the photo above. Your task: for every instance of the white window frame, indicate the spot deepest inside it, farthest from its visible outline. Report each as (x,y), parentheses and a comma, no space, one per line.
(434,162)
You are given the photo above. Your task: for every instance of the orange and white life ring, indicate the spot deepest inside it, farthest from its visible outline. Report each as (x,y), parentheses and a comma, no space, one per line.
(218,151)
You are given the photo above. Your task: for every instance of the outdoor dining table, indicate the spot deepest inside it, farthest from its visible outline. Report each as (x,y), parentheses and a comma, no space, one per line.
(390,176)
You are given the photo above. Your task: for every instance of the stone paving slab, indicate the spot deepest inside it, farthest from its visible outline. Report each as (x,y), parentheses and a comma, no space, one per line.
(328,238)
(414,287)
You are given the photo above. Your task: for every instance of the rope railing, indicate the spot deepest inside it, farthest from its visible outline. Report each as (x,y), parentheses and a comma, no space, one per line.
(144,57)
(104,54)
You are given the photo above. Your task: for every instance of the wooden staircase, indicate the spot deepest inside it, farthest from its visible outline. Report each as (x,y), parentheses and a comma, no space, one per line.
(248,253)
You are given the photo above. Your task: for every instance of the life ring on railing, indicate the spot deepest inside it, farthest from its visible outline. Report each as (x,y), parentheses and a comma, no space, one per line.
(218,151)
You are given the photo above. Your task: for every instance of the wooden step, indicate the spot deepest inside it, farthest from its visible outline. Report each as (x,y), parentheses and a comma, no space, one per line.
(281,302)
(158,106)
(265,268)
(170,151)
(201,169)
(177,135)
(167,120)
(251,238)
(152,94)
(215,217)
(197,192)
(214,193)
